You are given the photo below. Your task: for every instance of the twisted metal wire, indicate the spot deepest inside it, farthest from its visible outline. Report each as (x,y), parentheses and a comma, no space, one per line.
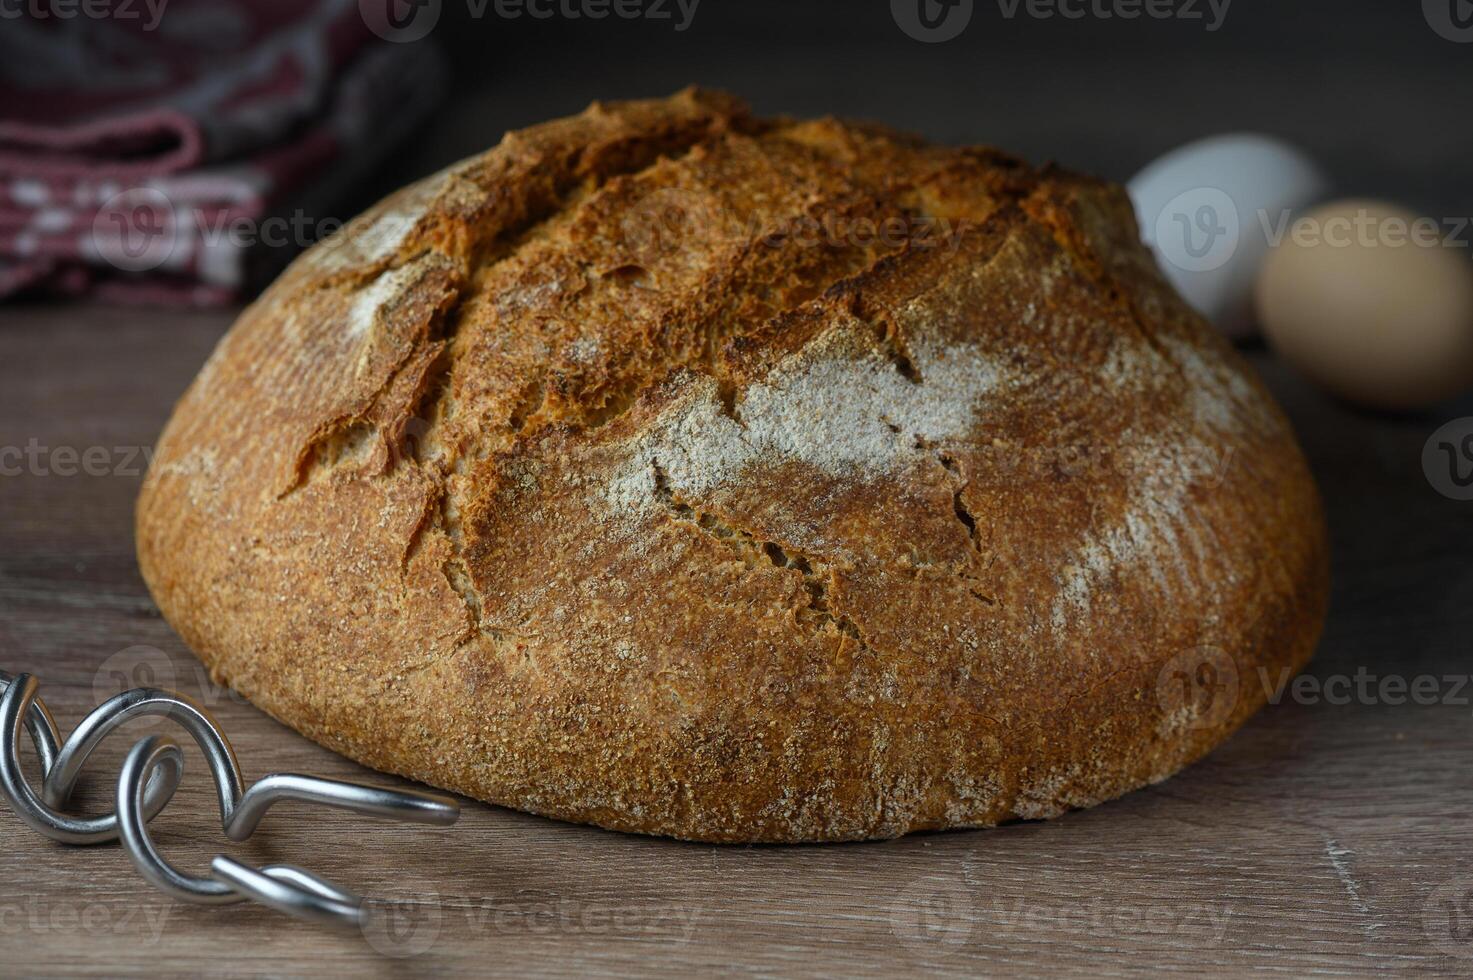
(147,780)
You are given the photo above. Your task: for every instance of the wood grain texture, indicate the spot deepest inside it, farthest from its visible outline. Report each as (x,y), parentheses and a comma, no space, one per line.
(1321,839)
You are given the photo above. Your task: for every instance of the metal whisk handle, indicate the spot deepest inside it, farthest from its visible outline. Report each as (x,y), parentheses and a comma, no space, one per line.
(147,780)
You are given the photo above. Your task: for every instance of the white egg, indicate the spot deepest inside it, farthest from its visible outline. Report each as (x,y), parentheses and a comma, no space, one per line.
(1209,210)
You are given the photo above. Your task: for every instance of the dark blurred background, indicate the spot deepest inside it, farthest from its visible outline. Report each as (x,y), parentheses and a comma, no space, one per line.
(302,106)
(1368,87)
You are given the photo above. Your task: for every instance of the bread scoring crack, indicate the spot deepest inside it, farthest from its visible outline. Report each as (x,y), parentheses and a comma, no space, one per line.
(450,443)
(889,335)
(816,575)
(449,439)
(427,444)
(959,505)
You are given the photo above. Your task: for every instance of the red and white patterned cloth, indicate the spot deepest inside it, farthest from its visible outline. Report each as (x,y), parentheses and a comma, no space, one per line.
(164,157)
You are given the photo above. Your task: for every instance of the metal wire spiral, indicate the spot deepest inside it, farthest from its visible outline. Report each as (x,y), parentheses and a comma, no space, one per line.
(147,780)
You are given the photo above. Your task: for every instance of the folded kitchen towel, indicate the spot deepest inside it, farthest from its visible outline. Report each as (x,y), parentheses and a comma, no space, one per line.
(168,161)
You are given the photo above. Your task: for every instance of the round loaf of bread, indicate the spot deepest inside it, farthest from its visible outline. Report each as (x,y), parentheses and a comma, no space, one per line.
(689,473)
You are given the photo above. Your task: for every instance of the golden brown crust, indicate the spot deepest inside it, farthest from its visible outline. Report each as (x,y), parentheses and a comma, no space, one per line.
(739,480)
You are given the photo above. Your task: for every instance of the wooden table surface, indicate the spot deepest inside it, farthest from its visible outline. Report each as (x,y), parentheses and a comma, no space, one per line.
(1323,838)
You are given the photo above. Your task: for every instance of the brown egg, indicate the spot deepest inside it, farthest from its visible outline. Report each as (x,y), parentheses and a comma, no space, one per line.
(1373,302)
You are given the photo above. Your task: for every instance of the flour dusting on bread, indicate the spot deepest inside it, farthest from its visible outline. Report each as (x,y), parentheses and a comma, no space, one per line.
(836,406)
(369,303)
(1157,530)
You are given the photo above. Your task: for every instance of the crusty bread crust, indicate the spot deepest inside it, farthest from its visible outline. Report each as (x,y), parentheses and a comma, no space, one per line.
(687,473)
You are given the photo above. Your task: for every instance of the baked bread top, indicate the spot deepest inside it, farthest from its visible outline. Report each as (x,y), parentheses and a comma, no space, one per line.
(689,473)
